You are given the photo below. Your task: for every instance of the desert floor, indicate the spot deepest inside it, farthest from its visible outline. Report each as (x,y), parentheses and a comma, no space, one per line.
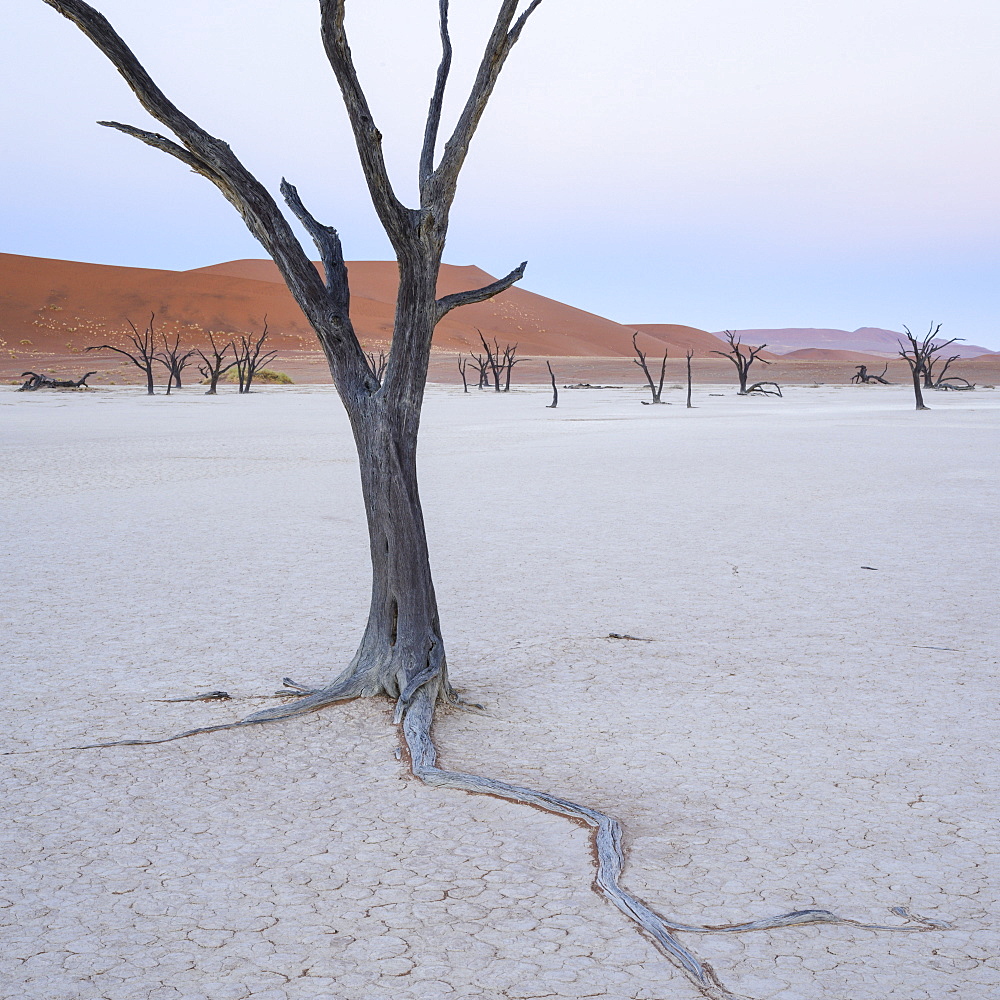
(802,731)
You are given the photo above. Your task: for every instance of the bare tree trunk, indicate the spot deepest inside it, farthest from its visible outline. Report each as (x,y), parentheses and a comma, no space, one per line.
(918,395)
(555,391)
(689,355)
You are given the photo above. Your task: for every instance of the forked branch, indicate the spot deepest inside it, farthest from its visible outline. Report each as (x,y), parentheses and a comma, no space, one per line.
(395,217)
(204,153)
(456,299)
(437,101)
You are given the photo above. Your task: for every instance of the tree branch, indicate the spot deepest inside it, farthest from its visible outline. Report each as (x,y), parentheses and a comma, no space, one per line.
(331,252)
(498,48)
(395,217)
(449,302)
(206,154)
(437,100)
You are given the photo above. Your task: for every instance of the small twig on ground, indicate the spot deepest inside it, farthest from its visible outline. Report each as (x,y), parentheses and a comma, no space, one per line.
(625,635)
(206,696)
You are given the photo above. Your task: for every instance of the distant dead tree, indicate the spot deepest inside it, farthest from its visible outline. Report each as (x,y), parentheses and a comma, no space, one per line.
(689,355)
(377,362)
(498,363)
(555,391)
(920,356)
(249,359)
(939,378)
(509,360)
(174,360)
(215,363)
(743,363)
(640,360)
(915,355)
(479,364)
(143,353)
(37,381)
(492,359)
(463,364)
(863,377)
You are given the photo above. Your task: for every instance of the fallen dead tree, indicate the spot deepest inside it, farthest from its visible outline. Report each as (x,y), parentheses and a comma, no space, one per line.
(864,377)
(39,381)
(761,389)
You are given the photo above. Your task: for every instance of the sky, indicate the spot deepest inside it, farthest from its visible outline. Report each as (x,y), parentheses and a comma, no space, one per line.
(717,163)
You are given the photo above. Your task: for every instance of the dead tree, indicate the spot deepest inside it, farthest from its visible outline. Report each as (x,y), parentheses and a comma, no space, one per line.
(463,364)
(143,353)
(509,360)
(377,363)
(492,359)
(640,360)
(940,379)
(479,365)
(37,381)
(401,654)
(173,360)
(761,388)
(919,355)
(743,361)
(863,377)
(689,355)
(249,359)
(555,390)
(215,364)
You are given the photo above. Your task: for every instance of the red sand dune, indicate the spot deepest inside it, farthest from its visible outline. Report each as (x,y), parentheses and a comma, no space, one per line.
(59,305)
(822,354)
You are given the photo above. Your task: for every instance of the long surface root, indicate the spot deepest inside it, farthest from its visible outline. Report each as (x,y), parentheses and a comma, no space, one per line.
(611,859)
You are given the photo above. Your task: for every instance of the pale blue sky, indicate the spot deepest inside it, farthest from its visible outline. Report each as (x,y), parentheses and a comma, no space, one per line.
(711,162)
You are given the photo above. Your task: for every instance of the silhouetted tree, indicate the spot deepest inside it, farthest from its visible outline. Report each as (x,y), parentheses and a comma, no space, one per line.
(143,353)
(377,363)
(744,361)
(463,364)
(555,390)
(174,360)
(640,360)
(689,355)
(250,360)
(919,356)
(215,363)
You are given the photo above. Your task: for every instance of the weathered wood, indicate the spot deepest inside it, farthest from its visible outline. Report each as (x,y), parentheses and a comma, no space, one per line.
(214,366)
(655,389)
(38,381)
(689,355)
(143,354)
(555,390)
(864,377)
(741,360)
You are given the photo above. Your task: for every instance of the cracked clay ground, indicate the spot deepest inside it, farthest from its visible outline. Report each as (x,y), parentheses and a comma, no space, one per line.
(802,732)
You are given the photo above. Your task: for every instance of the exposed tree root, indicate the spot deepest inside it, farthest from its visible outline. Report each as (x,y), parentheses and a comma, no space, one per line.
(611,859)
(415,714)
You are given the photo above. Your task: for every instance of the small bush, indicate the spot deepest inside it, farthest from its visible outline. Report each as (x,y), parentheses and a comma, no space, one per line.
(264,375)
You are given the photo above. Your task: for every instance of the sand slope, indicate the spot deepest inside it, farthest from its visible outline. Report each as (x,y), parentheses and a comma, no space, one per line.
(59,305)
